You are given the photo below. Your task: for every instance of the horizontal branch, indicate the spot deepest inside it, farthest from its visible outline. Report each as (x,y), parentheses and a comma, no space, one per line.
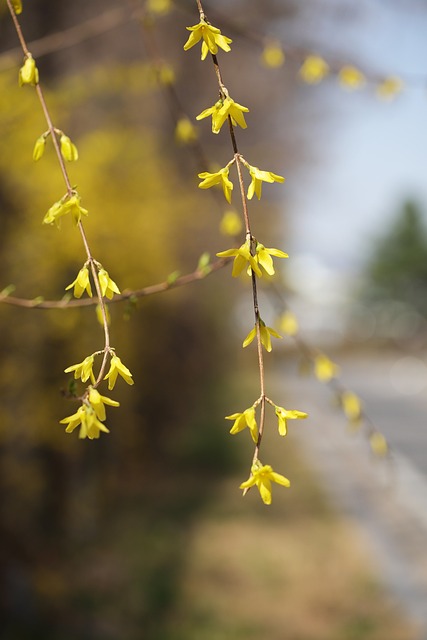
(67,303)
(69,37)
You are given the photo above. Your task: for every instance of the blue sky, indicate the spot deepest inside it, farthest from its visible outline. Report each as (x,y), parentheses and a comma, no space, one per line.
(370,155)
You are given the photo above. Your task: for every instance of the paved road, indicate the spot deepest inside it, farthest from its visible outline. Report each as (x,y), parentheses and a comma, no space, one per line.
(388,502)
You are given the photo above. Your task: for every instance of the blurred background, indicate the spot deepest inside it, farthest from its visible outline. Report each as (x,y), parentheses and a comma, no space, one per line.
(143,534)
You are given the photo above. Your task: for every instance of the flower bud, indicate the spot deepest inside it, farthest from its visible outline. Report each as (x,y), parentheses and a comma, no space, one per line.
(28,73)
(68,149)
(17,6)
(39,148)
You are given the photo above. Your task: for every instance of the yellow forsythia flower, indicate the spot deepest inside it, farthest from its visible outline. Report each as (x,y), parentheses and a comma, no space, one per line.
(97,402)
(220,177)
(28,73)
(165,74)
(185,132)
(273,55)
(117,368)
(351,405)
(378,443)
(83,369)
(90,425)
(67,204)
(90,416)
(351,78)
(39,148)
(389,88)
(265,334)
(324,368)
(284,414)
(243,420)
(262,476)
(313,69)
(231,223)
(258,177)
(81,283)
(242,259)
(220,112)
(288,323)
(264,259)
(161,7)
(68,149)
(17,6)
(212,39)
(108,286)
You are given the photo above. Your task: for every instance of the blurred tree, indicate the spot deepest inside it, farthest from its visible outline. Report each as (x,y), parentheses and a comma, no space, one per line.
(397,268)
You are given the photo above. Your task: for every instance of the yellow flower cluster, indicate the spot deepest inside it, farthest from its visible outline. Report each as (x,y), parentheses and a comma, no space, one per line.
(262,475)
(251,256)
(67,204)
(243,259)
(82,284)
(68,149)
(84,370)
(258,176)
(90,415)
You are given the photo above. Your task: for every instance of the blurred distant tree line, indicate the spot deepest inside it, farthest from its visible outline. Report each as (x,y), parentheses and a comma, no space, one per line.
(395,277)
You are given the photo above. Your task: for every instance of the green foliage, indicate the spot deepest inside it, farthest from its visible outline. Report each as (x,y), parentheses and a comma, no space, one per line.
(397,269)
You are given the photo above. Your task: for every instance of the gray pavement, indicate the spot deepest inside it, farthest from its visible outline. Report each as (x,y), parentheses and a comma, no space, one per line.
(386,501)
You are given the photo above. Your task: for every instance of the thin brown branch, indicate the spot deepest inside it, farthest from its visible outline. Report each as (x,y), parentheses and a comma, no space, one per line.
(66,303)
(223,92)
(52,130)
(68,37)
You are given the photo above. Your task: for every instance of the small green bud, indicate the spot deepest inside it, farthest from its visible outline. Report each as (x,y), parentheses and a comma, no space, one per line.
(172,278)
(7,291)
(204,264)
(204,260)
